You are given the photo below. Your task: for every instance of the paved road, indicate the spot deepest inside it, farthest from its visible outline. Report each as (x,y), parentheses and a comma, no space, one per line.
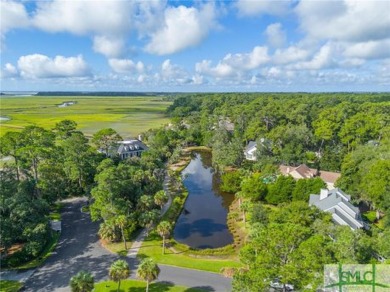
(193,278)
(78,249)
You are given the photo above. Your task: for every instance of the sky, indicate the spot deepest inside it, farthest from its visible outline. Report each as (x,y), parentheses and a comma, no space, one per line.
(195,46)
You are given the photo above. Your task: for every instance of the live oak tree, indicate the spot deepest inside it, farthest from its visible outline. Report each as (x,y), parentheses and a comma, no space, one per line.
(105,139)
(10,143)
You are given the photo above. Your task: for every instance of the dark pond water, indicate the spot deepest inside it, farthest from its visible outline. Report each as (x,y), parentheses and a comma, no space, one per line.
(202,223)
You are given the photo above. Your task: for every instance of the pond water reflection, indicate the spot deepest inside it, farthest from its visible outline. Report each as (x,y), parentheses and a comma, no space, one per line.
(202,223)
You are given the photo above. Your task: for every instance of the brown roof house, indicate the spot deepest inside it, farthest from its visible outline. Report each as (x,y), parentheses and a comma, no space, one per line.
(303,171)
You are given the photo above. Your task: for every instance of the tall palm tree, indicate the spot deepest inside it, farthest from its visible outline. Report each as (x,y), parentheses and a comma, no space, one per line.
(160,198)
(148,218)
(164,229)
(148,271)
(121,221)
(118,271)
(82,282)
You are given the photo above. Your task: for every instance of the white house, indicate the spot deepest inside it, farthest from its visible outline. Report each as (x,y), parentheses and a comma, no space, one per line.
(250,151)
(337,203)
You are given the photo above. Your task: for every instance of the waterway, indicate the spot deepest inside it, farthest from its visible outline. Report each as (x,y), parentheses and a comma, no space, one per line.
(203,221)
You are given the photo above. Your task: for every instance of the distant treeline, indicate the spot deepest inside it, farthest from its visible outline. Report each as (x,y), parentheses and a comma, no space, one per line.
(102,93)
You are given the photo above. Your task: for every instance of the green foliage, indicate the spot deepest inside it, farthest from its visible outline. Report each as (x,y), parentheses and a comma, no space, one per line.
(119,270)
(281,190)
(160,198)
(231,181)
(148,271)
(82,282)
(227,150)
(305,187)
(105,139)
(253,188)
(164,230)
(259,214)
(10,286)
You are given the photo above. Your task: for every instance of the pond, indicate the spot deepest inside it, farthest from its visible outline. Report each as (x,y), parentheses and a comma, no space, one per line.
(3,119)
(203,221)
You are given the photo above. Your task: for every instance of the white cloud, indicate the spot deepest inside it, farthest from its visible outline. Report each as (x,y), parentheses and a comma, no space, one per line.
(368,50)
(233,64)
(276,36)
(171,71)
(111,47)
(345,20)
(290,55)
(323,59)
(9,71)
(107,21)
(126,66)
(41,66)
(272,7)
(220,70)
(183,27)
(13,15)
(83,17)
(197,79)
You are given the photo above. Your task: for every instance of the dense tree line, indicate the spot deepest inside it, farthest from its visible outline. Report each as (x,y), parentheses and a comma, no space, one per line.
(50,165)
(349,133)
(344,132)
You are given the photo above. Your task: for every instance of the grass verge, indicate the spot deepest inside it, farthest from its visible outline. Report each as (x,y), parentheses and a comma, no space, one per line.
(139,286)
(55,211)
(152,247)
(10,286)
(117,247)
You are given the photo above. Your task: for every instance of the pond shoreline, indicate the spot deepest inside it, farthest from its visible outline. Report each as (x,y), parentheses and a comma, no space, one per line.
(224,252)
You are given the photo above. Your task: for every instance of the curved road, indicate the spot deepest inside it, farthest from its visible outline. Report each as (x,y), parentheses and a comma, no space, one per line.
(79,249)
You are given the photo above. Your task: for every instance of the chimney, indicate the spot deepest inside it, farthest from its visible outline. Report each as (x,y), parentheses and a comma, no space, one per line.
(140,137)
(323,194)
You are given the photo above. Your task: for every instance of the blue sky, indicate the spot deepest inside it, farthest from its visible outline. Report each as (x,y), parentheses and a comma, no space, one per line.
(268,45)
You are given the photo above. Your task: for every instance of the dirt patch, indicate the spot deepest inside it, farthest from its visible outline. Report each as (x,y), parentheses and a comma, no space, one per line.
(14,248)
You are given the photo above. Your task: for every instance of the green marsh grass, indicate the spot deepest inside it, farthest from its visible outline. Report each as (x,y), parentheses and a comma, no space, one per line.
(129,116)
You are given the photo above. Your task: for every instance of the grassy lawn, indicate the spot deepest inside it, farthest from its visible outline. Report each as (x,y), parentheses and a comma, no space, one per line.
(50,246)
(152,247)
(139,286)
(129,116)
(10,286)
(117,247)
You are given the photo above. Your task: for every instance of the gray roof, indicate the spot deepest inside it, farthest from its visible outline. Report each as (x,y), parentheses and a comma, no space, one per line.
(250,145)
(130,146)
(333,199)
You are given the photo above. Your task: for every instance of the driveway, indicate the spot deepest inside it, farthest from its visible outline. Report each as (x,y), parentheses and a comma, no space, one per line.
(78,249)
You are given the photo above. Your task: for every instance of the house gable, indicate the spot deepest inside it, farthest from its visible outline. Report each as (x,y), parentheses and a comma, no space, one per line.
(337,203)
